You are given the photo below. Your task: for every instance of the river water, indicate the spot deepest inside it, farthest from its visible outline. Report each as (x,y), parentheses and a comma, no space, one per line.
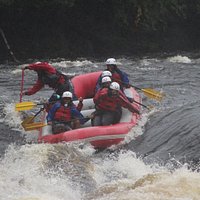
(161,164)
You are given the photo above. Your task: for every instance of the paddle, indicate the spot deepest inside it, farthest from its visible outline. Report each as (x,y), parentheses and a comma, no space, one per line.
(33,126)
(147,107)
(29,125)
(26,105)
(30,119)
(149,92)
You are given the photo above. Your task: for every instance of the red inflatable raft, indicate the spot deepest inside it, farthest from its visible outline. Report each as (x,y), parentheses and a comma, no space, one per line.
(98,136)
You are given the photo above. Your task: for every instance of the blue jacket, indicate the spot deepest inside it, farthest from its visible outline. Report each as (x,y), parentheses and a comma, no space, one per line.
(73,110)
(123,75)
(98,84)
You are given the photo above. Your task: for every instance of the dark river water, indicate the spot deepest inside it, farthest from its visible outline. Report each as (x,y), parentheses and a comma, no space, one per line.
(161,164)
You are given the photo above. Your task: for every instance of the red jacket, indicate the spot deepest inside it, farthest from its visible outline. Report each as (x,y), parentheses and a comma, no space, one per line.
(112,103)
(116,77)
(47,74)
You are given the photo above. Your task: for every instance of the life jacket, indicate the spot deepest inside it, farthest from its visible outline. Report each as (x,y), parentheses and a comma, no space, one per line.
(117,78)
(63,114)
(50,79)
(108,103)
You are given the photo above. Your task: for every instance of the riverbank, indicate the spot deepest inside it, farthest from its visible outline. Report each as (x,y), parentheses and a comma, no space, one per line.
(72,29)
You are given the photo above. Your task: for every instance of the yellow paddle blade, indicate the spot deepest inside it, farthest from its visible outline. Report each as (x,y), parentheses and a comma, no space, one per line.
(29,119)
(27,105)
(33,126)
(153,94)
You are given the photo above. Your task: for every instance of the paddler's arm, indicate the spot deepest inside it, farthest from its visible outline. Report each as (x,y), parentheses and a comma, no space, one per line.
(100,96)
(80,104)
(76,114)
(126,104)
(51,112)
(124,77)
(38,86)
(41,66)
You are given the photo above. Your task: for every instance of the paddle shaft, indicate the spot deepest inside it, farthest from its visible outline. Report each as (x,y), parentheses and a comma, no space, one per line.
(28,120)
(149,92)
(133,99)
(137,88)
(41,109)
(127,84)
(140,104)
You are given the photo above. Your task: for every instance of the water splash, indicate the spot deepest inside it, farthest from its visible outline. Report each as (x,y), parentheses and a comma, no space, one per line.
(11,117)
(68,64)
(26,173)
(179,59)
(126,177)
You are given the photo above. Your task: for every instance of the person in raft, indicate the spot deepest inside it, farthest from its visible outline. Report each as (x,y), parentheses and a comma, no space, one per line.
(105,82)
(64,115)
(105,73)
(56,98)
(108,104)
(48,75)
(117,75)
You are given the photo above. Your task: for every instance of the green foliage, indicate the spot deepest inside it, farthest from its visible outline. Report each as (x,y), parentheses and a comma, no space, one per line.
(37,3)
(158,13)
(6,2)
(79,27)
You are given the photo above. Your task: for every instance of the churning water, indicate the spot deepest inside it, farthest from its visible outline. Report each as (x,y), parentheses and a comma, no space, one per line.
(161,164)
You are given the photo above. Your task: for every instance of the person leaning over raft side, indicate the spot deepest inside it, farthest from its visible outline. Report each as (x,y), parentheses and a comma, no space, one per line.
(48,75)
(64,115)
(108,104)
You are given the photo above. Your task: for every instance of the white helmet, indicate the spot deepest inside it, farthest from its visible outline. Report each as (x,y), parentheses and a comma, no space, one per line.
(111,61)
(114,86)
(106,79)
(67,94)
(106,73)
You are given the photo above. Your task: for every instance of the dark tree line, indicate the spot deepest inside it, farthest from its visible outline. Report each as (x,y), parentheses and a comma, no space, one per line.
(95,28)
